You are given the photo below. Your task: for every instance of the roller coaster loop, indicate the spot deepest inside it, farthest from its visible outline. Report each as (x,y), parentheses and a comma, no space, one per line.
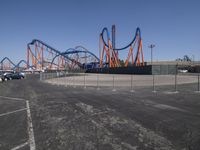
(110,54)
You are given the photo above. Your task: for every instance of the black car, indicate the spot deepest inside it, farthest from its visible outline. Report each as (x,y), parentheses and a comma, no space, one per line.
(2,78)
(8,76)
(17,75)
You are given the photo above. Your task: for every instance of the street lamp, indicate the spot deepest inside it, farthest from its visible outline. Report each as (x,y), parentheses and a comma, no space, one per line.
(152,46)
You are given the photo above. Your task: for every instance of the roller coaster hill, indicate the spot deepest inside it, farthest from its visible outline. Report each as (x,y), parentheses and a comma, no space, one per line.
(41,56)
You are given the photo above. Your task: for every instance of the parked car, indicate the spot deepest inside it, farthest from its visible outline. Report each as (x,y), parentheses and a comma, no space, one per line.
(18,75)
(2,78)
(8,76)
(183,70)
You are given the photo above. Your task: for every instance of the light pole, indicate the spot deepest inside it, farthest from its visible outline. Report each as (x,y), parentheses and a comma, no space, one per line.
(151,47)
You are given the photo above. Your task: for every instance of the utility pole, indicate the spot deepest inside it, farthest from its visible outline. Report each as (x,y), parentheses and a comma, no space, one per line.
(151,47)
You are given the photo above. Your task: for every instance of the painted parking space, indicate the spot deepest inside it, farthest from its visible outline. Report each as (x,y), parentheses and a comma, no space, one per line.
(16,129)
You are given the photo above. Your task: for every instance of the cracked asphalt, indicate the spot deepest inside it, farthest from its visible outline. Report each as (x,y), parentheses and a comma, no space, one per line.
(90,119)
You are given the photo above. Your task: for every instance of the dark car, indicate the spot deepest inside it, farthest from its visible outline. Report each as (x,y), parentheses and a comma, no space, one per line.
(17,75)
(8,76)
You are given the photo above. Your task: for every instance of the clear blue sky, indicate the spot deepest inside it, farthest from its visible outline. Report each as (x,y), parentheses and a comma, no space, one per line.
(173,25)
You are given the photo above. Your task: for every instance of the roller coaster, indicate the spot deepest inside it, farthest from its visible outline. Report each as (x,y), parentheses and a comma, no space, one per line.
(110,54)
(41,56)
(44,57)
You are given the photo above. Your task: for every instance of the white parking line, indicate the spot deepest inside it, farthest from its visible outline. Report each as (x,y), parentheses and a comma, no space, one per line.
(30,128)
(31,141)
(8,113)
(20,146)
(13,98)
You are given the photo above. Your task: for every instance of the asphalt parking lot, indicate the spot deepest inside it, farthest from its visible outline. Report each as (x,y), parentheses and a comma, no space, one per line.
(90,119)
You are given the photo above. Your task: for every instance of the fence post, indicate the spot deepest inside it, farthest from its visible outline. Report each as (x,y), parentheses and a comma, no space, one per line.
(74,81)
(70,80)
(113,84)
(198,84)
(84,81)
(41,76)
(154,90)
(132,83)
(66,79)
(175,87)
(98,82)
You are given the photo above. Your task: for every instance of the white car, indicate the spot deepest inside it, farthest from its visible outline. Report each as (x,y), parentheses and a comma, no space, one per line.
(183,71)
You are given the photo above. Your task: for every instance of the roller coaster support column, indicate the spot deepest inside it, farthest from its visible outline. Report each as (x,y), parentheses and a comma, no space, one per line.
(113,36)
(113,43)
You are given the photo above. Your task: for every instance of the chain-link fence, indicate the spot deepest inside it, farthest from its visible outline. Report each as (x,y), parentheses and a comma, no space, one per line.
(171,83)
